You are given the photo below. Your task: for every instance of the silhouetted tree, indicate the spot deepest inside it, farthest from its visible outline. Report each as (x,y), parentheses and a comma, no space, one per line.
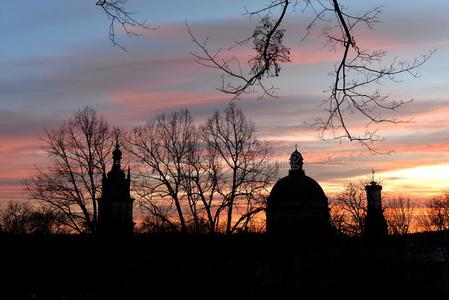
(191,176)
(79,152)
(22,218)
(246,172)
(399,214)
(161,149)
(436,215)
(153,222)
(349,209)
(202,173)
(357,74)
(14,218)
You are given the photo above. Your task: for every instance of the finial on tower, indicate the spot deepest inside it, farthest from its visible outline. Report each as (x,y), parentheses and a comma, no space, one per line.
(373,178)
(296,161)
(117,155)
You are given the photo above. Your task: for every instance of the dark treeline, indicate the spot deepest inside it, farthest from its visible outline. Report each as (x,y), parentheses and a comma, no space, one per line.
(348,213)
(220,266)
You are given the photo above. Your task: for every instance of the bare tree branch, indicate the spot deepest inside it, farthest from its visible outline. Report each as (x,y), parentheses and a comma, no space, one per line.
(270,53)
(117,13)
(353,92)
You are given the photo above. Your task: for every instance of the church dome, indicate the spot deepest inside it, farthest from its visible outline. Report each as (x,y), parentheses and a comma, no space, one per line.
(298,190)
(297,203)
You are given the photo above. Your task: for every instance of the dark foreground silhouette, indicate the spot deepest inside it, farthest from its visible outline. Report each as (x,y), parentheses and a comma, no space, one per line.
(211,267)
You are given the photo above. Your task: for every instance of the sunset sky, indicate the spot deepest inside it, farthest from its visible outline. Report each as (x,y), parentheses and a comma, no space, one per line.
(56,58)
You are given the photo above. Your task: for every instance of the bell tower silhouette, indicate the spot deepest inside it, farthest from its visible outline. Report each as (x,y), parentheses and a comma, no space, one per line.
(375,223)
(115,211)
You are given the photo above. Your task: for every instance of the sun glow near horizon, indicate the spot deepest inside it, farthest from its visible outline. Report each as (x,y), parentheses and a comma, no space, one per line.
(417,183)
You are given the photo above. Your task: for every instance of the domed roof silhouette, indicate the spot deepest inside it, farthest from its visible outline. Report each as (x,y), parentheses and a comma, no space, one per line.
(297,203)
(298,190)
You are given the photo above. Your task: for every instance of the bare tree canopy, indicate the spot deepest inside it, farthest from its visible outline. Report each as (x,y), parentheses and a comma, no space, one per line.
(79,152)
(436,215)
(349,209)
(209,178)
(161,149)
(357,76)
(22,218)
(247,172)
(399,214)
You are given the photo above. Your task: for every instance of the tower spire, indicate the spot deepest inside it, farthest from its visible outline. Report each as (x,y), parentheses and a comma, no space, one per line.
(372,175)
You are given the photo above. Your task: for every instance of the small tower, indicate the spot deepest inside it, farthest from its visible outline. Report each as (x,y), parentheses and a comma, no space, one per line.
(115,211)
(296,163)
(375,223)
